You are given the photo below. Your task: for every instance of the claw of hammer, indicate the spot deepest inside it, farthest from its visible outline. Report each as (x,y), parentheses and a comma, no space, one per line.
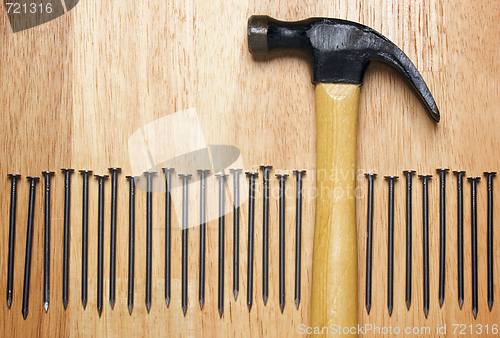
(341,51)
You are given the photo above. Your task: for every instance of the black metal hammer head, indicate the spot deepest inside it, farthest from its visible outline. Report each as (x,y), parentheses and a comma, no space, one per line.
(341,51)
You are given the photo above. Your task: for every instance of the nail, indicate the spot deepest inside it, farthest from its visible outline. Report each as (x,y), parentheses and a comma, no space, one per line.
(265,237)
(251,219)
(442,233)
(460,236)
(473,205)
(85,233)
(222,179)
(203,228)
(12,236)
(425,236)
(369,241)
(112,241)
(489,177)
(29,243)
(298,234)
(131,241)
(46,247)
(236,231)
(390,244)
(168,230)
(282,180)
(149,235)
(185,200)
(100,241)
(67,205)
(409,178)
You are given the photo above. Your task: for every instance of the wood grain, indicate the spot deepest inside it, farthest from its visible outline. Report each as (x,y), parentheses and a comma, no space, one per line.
(334,295)
(76,88)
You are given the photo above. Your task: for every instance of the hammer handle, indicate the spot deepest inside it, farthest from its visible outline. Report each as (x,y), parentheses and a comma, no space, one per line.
(335,260)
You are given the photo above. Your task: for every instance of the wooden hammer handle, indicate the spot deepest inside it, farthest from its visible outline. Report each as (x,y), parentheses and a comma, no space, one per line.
(335,259)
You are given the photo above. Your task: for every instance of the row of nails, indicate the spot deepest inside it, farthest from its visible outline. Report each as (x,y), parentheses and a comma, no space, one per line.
(425,233)
(132,185)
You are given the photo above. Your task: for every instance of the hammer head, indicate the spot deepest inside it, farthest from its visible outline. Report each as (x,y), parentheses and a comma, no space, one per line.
(341,51)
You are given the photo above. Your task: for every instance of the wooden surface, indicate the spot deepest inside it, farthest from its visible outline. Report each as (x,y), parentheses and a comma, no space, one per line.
(75,89)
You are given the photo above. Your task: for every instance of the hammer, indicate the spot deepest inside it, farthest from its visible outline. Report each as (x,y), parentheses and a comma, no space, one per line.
(341,51)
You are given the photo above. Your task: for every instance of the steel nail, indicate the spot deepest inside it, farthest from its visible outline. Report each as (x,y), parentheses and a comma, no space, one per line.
(222,179)
(460,236)
(282,180)
(168,230)
(489,177)
(473,205)
(265,236)
(100,242)
(236,231)
(203,228)
(12,237)
(85,233)
(409,238)
(185,201)
(112,241)
(425,236)
(46,247)
(390,244)
(442,233)
(149,235)
(298,234)
(251,219)
(369,242)
(131,241)
(29,244)
(67,214)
